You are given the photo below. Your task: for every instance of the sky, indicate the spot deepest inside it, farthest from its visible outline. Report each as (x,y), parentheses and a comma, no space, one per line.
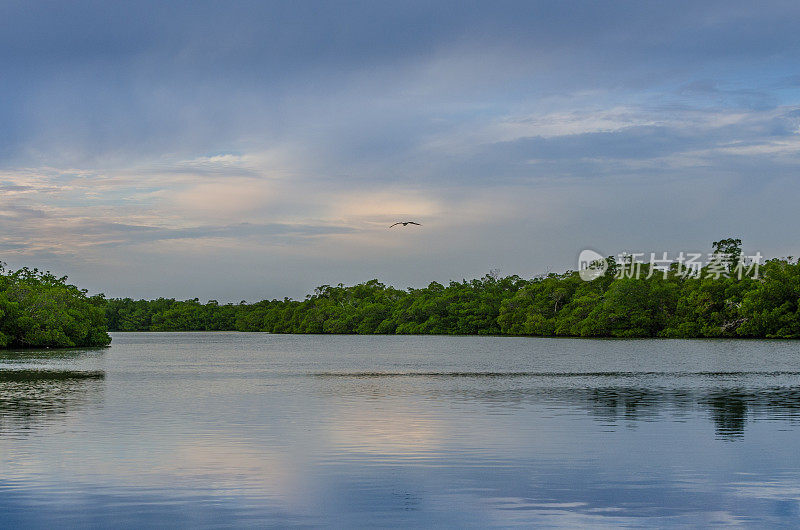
(252,150)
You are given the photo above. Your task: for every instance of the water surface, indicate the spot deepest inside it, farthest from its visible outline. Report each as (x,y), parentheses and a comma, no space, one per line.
(238,429)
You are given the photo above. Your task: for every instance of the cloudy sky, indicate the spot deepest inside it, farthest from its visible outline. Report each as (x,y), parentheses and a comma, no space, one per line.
(249,150)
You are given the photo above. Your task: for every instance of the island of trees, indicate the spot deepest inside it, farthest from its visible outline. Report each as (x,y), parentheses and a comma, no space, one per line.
(38,309)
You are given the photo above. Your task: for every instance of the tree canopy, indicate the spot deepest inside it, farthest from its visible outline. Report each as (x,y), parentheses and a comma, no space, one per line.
(715,302)
(38,309)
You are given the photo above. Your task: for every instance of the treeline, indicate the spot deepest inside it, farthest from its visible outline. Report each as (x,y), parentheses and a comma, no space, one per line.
(715,302)
(38,309)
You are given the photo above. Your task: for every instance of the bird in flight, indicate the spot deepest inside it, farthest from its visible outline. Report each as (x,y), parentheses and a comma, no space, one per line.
(406,223)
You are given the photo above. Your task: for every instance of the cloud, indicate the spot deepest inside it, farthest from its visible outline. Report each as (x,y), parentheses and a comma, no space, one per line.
(227,197)
(382,206)
(260,134)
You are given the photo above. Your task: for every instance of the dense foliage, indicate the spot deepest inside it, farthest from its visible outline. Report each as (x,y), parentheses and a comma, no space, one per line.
(662,305)
(38,309)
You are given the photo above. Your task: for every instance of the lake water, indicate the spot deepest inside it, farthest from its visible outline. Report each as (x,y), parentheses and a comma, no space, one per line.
(239,429)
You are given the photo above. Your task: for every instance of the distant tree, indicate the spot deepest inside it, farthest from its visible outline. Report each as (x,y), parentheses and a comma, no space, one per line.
(730,248)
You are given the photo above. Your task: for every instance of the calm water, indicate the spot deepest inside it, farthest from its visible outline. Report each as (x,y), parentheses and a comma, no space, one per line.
(219,429)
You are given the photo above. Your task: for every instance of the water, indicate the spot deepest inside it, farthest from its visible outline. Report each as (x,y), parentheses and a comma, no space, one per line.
(236,429)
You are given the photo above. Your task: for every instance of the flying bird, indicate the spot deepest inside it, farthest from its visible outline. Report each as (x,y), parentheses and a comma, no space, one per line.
(406,223)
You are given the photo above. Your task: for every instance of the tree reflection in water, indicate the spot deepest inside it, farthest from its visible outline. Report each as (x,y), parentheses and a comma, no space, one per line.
(30,397)
(729,408)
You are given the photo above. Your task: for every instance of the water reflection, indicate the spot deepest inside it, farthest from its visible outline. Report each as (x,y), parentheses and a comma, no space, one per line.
(215,430)
(729,410)
(729,407)
(63,354)
(30,397)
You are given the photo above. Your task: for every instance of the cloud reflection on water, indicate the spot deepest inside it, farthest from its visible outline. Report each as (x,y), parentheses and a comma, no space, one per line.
(729,404)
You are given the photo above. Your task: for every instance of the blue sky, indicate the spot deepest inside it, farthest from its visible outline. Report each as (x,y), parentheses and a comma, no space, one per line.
(253,150)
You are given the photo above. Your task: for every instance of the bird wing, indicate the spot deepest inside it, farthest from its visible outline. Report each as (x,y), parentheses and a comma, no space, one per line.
(395,224)
(413,223)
